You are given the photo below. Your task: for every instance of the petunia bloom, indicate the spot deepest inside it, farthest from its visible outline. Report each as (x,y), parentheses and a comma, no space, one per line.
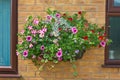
(29,38)
(59,58)
(41,35)
(74,30)
(85,37)
(70,19)
(49,18)
(36,21)
(30,27)
(101,37)
(34,32)
(33,56)
(59,53)
(44,29)
(31,45)
(103,43)
(58,15)
(22,32)
(80,12)
(42,47)
(77,51)
(17,53)
(25,53)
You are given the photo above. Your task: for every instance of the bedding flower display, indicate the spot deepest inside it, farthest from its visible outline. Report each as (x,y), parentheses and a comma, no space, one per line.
(59,37)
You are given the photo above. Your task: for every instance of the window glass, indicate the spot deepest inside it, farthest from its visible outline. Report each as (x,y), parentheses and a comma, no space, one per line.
(114,48)
(4,32)
(116,2)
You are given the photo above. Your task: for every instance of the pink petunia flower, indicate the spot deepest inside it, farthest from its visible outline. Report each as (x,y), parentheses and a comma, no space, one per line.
(34,32)
(59,58)
(59,53)
(29,38)
(20,42)
(31,45)
(44,29)
(41,35)
(103,43)
(42,47)
(74,30)
(17,53)
(58,15)
(33,56)
(36,21)
(49,18)
(30,27)
(22,32)
(25,53)
(40,31)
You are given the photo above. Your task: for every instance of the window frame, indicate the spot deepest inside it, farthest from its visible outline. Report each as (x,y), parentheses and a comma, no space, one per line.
(13,70)
(111,7)
(111,11)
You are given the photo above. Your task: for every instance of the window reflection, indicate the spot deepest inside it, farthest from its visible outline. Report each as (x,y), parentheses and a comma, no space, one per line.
(116,2)
(114,48)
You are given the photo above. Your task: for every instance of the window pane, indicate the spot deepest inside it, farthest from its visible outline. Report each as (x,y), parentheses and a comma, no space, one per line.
(4,32)
(116,2)
(114,48)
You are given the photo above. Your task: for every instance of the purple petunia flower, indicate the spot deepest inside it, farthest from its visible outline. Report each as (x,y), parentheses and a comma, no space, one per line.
(59,53)
(103,43)
(25,53)
(42,47)
(77,51)
(49,18)
(58,15)
(29,38)
(74,30)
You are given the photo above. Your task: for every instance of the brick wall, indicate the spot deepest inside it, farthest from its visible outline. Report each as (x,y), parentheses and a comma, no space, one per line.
(89,68)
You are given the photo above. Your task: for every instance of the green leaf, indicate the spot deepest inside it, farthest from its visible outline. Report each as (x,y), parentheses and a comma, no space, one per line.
(75,73)
(42,60)
(74,66)
(55,61)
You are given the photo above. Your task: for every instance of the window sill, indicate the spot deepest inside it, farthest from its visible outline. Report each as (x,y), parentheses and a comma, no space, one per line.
(10,76)
(110,66)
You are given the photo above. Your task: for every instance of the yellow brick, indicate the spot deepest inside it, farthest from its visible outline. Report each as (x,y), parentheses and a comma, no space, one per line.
(26,2)
(59,2)
(46,74)
(27,74)
(31,68)
(100,76)
(71,8)
(44,2)
(22,7)
(33,79)
(56,7)
(81,2)
(22,68)
(98,1)
(35,8)
(89,8)
(101,8)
